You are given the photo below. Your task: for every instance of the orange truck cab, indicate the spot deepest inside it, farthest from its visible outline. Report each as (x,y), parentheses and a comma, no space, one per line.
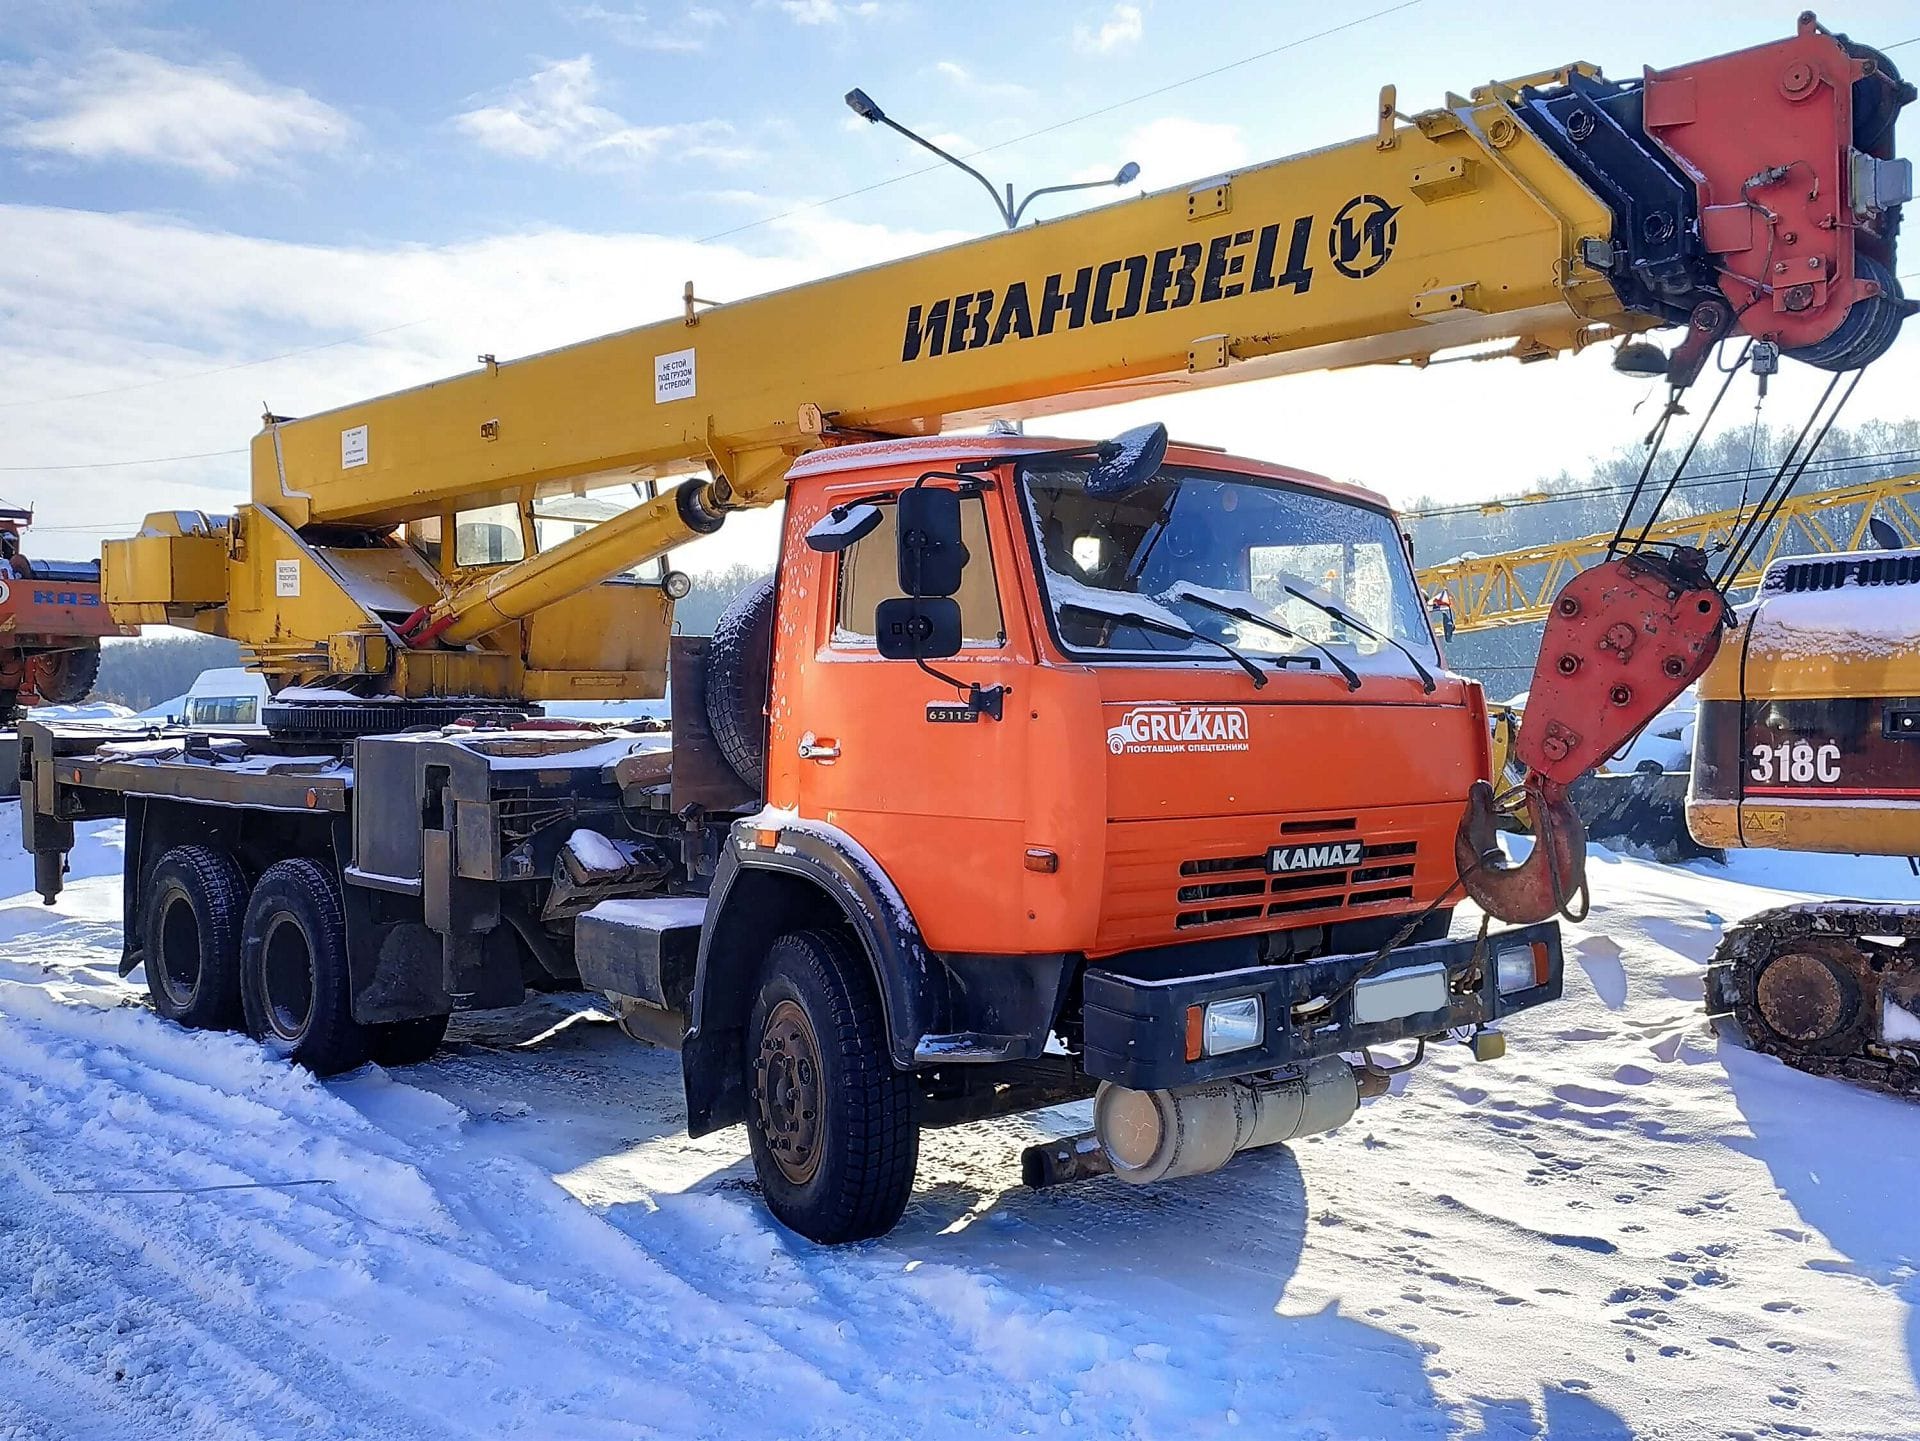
(1175,760)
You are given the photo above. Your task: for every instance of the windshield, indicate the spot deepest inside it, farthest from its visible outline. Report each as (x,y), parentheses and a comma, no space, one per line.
(1191,544)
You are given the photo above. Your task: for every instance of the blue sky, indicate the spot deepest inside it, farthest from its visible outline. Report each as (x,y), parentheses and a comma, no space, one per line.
(189,188)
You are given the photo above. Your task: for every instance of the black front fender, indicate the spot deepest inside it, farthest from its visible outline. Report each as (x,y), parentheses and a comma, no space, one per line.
(820,875)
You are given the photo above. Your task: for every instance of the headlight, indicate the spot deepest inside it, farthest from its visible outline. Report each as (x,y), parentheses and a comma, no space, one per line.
(1522,967)
(1222,1027)
(677,584)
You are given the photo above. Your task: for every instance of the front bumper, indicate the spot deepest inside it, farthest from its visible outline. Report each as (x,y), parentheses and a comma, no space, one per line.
(1136,1024)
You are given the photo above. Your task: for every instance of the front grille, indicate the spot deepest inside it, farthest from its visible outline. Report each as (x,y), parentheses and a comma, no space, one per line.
(1804,575)
(1222,863)
(1253,894)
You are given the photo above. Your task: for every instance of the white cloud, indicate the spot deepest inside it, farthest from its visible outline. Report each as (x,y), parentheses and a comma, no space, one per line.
(634,27)
(1123,27)
(976,87)
(828,12)
(553,115)
(1174,149)
(219,119)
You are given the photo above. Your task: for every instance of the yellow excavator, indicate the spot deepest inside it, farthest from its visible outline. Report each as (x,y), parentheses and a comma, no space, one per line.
(1808,739)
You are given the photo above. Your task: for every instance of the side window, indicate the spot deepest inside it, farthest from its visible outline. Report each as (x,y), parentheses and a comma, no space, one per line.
(558,519)
(869,574)
(488,536)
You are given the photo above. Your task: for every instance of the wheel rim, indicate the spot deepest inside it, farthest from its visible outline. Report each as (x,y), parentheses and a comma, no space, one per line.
(1805,997)
(286,973)
(179,941)
(787,1091)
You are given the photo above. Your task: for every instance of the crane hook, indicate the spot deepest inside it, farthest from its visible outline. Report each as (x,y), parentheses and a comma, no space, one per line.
(1542,884)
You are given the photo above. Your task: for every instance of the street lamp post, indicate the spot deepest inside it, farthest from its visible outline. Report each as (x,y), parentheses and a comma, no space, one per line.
(860,104)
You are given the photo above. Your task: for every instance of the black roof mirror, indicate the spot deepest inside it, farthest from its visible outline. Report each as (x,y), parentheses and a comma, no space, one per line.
(840,527)
(1128,461)
(1884,535)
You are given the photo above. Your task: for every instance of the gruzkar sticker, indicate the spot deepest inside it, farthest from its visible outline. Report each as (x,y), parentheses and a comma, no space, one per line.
(1165,728)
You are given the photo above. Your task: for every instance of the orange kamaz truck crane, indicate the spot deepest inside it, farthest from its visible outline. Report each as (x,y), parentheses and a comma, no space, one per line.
(1040,769)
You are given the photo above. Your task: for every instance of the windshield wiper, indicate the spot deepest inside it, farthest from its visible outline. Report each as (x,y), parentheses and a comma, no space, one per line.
(1328,608)
(1140,621)
(1241,613)
(1152,538)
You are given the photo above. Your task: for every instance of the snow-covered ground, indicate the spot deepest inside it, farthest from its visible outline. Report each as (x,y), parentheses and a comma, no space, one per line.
(1626,1228)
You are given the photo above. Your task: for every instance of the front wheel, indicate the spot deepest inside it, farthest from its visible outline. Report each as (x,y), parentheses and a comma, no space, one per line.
(830,1119)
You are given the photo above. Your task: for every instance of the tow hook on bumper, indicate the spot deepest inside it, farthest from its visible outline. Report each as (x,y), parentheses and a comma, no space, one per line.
(1148,1136)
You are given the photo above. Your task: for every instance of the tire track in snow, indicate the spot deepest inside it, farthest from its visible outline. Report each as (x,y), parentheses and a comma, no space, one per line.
(628,1315)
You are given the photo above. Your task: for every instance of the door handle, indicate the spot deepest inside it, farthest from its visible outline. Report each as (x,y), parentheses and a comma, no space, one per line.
(814,748)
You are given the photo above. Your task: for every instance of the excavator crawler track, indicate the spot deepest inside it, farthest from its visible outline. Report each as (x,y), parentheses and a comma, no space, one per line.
(1808,983)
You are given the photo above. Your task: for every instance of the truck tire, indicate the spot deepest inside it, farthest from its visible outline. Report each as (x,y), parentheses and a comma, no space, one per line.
(739,664)
(190,937)
(294,982)
(407,1043)
(65,677)
(830,1120)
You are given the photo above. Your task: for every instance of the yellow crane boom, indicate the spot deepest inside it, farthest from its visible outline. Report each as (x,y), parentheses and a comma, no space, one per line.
(1551,211)
(1518,586)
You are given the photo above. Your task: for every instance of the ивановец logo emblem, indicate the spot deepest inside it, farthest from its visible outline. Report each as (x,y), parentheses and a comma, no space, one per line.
(1361,238)
(1165,728)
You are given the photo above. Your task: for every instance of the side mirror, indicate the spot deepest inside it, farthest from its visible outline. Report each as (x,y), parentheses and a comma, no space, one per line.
(931,553)
(914,627)
(1885,537)
(841,527)
(1128,461)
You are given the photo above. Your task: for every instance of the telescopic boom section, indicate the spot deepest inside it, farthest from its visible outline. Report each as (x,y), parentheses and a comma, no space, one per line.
(1750,194)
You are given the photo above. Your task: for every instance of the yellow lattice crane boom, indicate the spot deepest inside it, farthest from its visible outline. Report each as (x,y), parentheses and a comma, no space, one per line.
(1517,586)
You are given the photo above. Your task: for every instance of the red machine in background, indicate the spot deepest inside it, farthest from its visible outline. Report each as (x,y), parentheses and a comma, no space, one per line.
(51,621)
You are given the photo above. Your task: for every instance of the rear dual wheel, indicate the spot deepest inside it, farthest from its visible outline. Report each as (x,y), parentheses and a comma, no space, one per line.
(296,986)
(294,981)
(275,962)
(196,901)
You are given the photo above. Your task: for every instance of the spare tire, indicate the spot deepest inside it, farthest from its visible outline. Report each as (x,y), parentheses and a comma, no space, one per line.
(739,669)
(65,677)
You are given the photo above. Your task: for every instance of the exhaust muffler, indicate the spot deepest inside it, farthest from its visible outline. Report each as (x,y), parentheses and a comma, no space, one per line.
(1148,1136)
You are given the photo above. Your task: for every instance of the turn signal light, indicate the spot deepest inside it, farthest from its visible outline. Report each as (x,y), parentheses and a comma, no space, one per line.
(1040,859)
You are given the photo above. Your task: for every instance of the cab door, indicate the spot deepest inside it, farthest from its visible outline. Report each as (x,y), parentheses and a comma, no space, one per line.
(891,754)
